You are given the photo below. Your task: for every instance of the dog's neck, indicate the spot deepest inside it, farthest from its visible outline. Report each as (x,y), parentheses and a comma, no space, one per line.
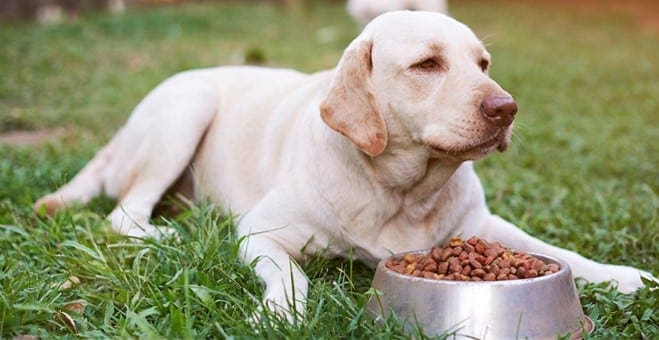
(410,171)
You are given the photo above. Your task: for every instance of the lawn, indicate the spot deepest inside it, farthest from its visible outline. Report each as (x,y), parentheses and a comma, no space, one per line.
(581,172)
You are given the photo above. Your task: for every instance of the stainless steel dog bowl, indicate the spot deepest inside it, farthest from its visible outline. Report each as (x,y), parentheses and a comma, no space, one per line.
(537,308)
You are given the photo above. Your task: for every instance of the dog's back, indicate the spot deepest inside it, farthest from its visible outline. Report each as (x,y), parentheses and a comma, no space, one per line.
(240,156)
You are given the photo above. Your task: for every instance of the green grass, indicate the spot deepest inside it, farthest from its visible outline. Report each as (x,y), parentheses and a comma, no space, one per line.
(581,173)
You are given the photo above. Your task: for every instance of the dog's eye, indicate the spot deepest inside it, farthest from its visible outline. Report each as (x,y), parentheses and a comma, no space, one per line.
(427,65)
(484,64)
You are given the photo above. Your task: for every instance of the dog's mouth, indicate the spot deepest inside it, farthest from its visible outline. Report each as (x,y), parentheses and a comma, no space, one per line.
(497,141)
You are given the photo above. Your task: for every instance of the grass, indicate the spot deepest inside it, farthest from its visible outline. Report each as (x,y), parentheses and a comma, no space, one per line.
(581,173)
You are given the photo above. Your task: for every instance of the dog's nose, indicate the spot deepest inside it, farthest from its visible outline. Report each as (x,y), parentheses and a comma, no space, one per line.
(499,110)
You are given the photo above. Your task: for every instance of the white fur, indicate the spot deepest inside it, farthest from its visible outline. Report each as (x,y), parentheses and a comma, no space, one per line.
(258,145)
(363,11)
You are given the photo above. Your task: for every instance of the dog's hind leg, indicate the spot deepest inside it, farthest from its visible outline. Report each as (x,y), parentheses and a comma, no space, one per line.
(148,154)
(86,185)
(170,123)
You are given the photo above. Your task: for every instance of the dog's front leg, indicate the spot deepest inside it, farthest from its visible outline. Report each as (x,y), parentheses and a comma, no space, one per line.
(285,284)
(272,245)
(628,278)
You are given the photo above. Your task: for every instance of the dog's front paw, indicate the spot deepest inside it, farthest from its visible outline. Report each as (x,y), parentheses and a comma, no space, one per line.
(628,279)
(291,312)
(278,308)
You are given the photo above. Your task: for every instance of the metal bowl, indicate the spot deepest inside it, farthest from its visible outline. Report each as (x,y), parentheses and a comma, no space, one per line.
(537,308)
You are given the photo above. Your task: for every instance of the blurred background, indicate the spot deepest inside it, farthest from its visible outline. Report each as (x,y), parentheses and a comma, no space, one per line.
(48,11)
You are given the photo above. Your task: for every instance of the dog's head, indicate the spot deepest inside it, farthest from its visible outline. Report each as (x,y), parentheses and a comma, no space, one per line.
(422,78)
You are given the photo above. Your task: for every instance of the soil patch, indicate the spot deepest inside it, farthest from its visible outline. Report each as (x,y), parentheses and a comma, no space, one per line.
(29,137)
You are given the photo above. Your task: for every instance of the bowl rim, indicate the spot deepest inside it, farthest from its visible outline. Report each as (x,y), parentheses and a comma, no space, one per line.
(564,268)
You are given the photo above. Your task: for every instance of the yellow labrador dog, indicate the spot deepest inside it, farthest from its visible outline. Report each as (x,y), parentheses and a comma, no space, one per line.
(369,159)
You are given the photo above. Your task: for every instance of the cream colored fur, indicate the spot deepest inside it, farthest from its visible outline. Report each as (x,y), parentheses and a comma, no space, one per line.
(369,159)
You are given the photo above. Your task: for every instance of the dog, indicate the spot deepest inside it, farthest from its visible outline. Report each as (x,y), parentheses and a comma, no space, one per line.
(363,11)
(366,160)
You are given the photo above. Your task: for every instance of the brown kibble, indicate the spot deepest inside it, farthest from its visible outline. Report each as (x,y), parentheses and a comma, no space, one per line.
(410,258)
(410,268)
(505,263)
(446,253)
(537,265)
(490,252)
(480,258)
(471,260)
(436,254)
(431,267)
(463,256)
(455,268)
(515,262)
(442,268)
(495,269)
(544,268)
(478,272)
(455,241)
(480,248)
(504,271)
(401,268)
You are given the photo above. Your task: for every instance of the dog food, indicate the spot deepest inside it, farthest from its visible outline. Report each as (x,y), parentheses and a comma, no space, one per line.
(472,260)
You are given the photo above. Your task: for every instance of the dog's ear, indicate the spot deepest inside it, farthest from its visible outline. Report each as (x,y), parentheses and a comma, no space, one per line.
(349,107)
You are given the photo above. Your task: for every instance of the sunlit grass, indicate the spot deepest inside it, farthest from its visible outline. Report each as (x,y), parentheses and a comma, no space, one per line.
(581,173)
